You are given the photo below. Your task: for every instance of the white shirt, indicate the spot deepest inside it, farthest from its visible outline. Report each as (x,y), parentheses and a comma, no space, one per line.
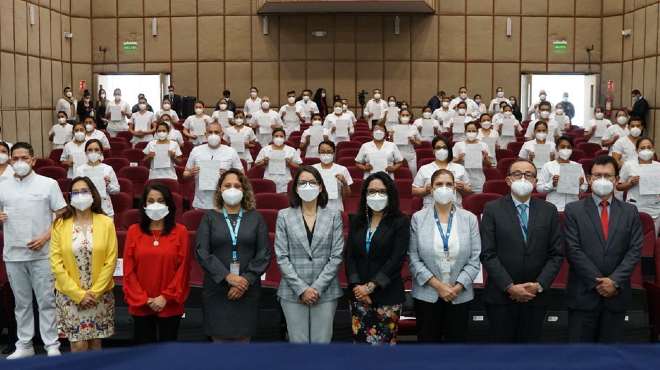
(142,122)
(226,155)
(73,149)
(281,180)
(36,197)
(616,130)
(424,174)
(335,201)
(307,109)
(111,188)
(393,118)
(100,136)
(388,148)
(453,246)
(350,113)
(545,185)
(196,125)
(528,147)
(553,130)
(63,105)
(170,112)
(493,135)
(499,118)
(62,134)
(8,173)
(593,124)
(377,108)
(443,116)
(472,107)
(476,175)
(331,122)
(289,114)
(222,117)
(626,148)
(175,135)
(645,203)
(122,124)
(494,106)
(459,136)
(312,150)
(248,136)
(251,106)
(409,149)
(163,173)
(419,124)
(260,118)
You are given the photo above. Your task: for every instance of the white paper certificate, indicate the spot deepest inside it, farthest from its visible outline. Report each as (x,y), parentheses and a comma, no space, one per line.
(601,128)
(315,136)
(541,154)
(427,128)
(277,162)
(331,184)
(378,161)
(264,125)
(459,125)
(290,115)
(490,141)
(198,127)
(18,227)
(508,126)
(649,179)
(115,113)
(569,179)
(473,156)
(401,134)
(162,158)
(209,174)
(96,175)
(237,142)
(223,118)
(341,128)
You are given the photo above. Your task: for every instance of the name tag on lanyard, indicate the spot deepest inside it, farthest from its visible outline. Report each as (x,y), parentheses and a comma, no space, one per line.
(234,266)
(445,263)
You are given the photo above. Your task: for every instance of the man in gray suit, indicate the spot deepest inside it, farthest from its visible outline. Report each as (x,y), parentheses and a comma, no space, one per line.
(521,251)
(603,245)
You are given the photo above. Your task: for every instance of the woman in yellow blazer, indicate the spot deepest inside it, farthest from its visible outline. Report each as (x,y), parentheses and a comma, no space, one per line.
(83,254)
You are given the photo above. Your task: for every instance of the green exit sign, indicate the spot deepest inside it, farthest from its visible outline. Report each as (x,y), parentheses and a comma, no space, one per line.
(560,46)
(130,46)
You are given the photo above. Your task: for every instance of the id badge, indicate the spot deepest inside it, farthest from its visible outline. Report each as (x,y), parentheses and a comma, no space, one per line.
(235,268)
(445,266)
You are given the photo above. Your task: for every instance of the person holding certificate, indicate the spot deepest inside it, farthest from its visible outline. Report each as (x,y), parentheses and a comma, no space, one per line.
(405,136)
(596,128)
(391,114)
(73,154)
(379,155)
(623,149)
(640,178)
(61,132)
(489,136)
(539,150)
(117,113)
(375,109)
(336,178)
(206,162)
(458,122)
(194,127)
(443,114)
(223,115)
(615,132)
(444,261)
(264,121)
(141,125)
(241,137)
(232,248)
(166,108)
(175,135)
(290,114)
(313,136)
(340,123)
(102,175)
(278,158)
(507,125)
(92,133)
(83,254)
(473,155)
(428,126)
(163,154)
(562,179)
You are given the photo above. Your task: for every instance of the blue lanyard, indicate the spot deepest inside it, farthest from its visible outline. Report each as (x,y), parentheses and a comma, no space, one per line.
(370,235)
(233,232)
(445,237)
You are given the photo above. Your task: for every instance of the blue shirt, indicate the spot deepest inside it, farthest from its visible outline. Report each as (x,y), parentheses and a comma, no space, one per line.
(597,200)
(516,203)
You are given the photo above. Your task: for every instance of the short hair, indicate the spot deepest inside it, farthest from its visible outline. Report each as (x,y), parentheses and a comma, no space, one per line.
(450,154)
(519,160)
(166,100)
(5,145)
(604,160)
(93,141)
(64,113)
(564,138)
(278,129)
(442,171)
(485,114)
(226,93)
(642,139)
(66,88)
(170,87)
(248,202)
(307,91)
(200,102)
(545,103)
(539,123)
(169,221)
(463,103)
(636,92)
(636,119)
(291,92)
(22,145)
(475,96)
(97,206)
(462,87)
(254,88)
(76,124)
(328,143)
(472,123)
(294,198)
(379,125)
(162,124)
(239,112)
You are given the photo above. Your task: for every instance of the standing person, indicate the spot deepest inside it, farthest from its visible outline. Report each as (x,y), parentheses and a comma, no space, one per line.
(194,127)
(615,132)
(436,100)
(340,116)
(85,108)
(73,154)
(534,110)
(252,104)
(309,244)
(175,99)
(336,178)
(83,254)
(550,174)
(515,108)
(240,132)
(156,268)
(61,132)
(482,107)
(495,104)
(413,138)
(527,151)
(521,251)
(471,106)
(379,155)
(101,108)
(567,106)
(68,105)
(458,122)
(375,109)
(102,175)
(309,144)
(162,168)
(232,248)
(273,155)
(444,266)
(603,245)
(6,170)
(391,114)
(226,96)
(640,107)
(307,106)
(290,115)
(460,150)
(166,108)
(443,114)
(544,115)
(346,110)
(92,133)
(29,196)
(209,158)
(264,121)
(489,136)
(377,245)
(428,126)
(141,125)
(174,135)
(321,101)
(596,128)
(117,112)
(623,149)
(222,114)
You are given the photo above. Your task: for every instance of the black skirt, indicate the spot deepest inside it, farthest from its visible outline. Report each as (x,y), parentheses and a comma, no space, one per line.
(230,319)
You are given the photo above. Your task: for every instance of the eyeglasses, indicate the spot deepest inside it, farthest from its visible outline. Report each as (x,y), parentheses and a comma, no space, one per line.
(519,175)
(308,183)
(376,191)
(80,192)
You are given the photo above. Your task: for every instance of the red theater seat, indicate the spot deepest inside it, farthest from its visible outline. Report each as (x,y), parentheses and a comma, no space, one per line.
(475,202)
(271,201)
(138,177)
(496,186)
(117,163)
(191,219)
(54,172)
(270,217)
(262,186)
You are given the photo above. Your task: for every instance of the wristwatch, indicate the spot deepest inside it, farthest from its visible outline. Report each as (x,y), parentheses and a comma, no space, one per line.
(370,287)
(540,287)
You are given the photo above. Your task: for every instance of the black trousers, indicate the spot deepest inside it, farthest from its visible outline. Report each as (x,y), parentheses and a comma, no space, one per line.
(599,325)
(154,329)
(516,322)
(441,321)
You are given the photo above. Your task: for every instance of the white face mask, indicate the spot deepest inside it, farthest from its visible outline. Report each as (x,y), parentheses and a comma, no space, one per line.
(253,94)
(500,94)
(265,105)
(377,202)
(542,96)
(199,111)
(391,104)
(213,140)
(278,141)
(61,120)
(441,154)
(162,135)
(338,110)
(461,111)
(486,124)
(223,106)
(559,111)
(622,120)
(344,107)
(427,115)
(117,98)
(541,136)
(646,154)
(156,211)
(291,99)
(445,104)
(308,192)
(305,98)
(89,128)
(327,158)
(232,196)
(379,135)
(3,158)
(376,96)
(79,136)
(565,154)
(522,187)
(21,168)
(238,121)
(316,123)
(166,107)
(142,106)
(82,202)
(635,131)
(94,157)
(463,96)
(444,195)
(69,94)
(471,135)
(508,114)
(405,120)
(602,187)
(545,114)
(600,115)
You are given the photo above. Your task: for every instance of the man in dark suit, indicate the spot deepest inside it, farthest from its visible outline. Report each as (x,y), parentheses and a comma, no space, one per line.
(521,251)
(176,100)
(640,106)
(603,245)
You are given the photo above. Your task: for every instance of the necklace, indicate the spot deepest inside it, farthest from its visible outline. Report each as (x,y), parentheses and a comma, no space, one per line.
(156,242)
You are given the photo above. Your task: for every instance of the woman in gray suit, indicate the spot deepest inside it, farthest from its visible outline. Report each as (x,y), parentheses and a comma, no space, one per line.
(443,266)
(309,245)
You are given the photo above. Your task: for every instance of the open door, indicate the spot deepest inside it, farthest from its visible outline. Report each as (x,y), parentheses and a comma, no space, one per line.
(526,99)
(591,84)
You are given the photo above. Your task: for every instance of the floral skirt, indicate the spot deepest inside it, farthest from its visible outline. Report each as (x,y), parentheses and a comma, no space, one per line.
(375,324)
(76,323)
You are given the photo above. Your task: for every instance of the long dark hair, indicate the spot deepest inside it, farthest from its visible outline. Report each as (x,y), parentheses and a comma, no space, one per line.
(392,209)
(170,219)
(294,198)
(96,207)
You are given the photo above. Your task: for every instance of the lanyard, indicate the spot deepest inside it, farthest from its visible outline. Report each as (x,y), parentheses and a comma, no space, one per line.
(233,232)
(370,235)
(445,237)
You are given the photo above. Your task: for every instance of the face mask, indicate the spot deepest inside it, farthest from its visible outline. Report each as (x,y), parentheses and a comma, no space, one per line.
(391,104)
(82,202)
(461,111)
(156,211)
(278,141)
(486,124)
(379,135)
(565,98)
(93,157)
(441,154)
(445,104)
(253,94)
(376,96)
(522,187)
(377,202)
(61,120)
(316,123)
(542,96)
(171,92)
(545,114)
(199,111)
(508,114)
(238,121)
(338,110)
(602,187)
(69,94)
(500,94)
(559,111)
(89,127)
(142,106)
(223,106)
(541,136)
(443,195)
(405,119)
(344,107)
(21,168)
(600,115)
(426,115)
(3,158)
(404,107)
(478,101)
(291,99)
(213,140)
(463,96)
(323,95)
(471,135)
(308,192)
(327,158)
(162,135)
(305,98)
(232,196)
(646,154)
(265,105)
(635,131)
(622,120)
(565,154)
(117,98)
(166,107)
(79,136)
(102,96)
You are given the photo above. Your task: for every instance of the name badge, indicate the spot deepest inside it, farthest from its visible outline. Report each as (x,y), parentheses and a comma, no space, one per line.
(235,268)
(445,266)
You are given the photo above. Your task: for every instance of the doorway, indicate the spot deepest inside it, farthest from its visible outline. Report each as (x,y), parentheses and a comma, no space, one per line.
(153,86)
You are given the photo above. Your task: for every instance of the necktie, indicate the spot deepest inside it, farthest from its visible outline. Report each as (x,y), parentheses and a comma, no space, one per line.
(522,215)
(604,218)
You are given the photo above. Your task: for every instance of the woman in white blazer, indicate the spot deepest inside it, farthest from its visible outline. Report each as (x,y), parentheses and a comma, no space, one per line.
(443,266)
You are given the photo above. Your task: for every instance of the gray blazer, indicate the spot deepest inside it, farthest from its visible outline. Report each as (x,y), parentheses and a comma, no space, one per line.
(424,260)
(304,265)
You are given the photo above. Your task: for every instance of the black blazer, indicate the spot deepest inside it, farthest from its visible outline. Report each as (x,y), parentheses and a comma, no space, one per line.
(382,265)
(640,108)
(590,256)
(508,259)
(177,103)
